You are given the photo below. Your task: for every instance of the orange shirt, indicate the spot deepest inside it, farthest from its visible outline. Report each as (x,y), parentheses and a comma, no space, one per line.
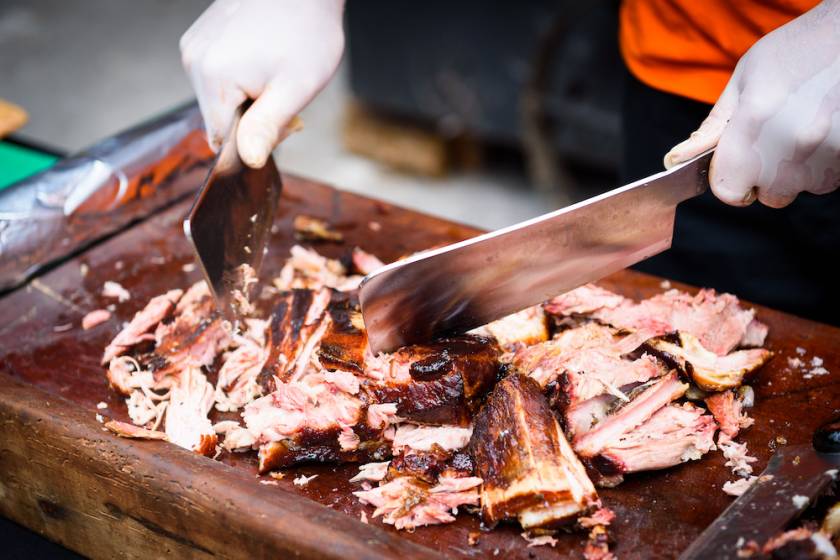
(690,47)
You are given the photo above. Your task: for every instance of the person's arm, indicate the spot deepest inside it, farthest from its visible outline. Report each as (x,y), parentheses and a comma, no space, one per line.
(280,53)
(777,124)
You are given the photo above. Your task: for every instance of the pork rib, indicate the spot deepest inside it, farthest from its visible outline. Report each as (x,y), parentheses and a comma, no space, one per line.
(529,470)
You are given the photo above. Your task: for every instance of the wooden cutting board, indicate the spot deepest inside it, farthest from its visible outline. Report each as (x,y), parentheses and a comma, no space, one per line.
(63,476)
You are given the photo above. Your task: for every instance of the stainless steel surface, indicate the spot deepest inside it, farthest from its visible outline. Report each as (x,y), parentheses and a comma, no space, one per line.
(90,195)
(767,507)
(468,284)
(230,221)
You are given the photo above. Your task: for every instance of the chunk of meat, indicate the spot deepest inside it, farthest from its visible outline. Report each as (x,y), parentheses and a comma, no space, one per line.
(298,323)
(308,228)
(716,319)
(116,291)
(437,383)
(518,330)
(728,412)
(424,438)
(529,470)
(237,384)
(407,503)
(187,424)
(138,330)
(344,344)
(673,435)
(710,371)
(609,431)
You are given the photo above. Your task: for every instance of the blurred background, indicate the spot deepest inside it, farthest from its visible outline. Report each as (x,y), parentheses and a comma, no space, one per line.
(485,116)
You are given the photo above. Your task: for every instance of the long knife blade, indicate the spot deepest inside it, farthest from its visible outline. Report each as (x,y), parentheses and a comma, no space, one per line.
(230,222)
(456,288)
(794,473)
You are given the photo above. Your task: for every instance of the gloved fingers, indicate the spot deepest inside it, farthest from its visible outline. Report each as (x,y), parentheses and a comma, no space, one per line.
(735,166)
(269,120)
(776,198)
(708,134)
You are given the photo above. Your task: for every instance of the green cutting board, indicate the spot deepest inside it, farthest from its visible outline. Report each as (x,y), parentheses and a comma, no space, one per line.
(18,162)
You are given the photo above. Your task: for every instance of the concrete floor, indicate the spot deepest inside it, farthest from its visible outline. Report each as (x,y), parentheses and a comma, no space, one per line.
(87,69)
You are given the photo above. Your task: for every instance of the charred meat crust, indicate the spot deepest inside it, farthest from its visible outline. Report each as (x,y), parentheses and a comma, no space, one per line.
(448,378)
(429,465)
(319,446)
(284,335)
(343,345)
(528,468)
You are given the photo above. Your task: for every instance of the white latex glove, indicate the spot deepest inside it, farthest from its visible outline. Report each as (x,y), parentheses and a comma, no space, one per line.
(777,123)
(280,53)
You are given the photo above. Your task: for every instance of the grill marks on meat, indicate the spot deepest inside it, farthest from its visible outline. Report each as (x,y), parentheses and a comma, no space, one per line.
(344,343)
(709,371)
(297,324)
(529,470)
(437,383)
(717,320)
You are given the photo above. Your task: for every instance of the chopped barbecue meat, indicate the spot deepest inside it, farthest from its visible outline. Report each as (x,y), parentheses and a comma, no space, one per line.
(237,384)
(308,228)
(407,503)
(529,470)
(709,371)
(344,343)
(426,438)
(296,326)
(307,269)
(364,262)
(186,422)
(95,318)
(728,412)
(609,431)
(518,330)
(437,383)
(716,319)
(429,465)
(138,330)
(195,336)
(126,430)
(673,435)
(598,545)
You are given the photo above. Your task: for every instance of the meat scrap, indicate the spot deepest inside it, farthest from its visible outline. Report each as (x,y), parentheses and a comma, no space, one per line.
(95,318)
(308,228)
(728,411)
(126,430)
(529,470)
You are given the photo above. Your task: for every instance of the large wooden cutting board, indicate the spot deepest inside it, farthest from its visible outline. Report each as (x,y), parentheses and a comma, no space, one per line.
(63,476)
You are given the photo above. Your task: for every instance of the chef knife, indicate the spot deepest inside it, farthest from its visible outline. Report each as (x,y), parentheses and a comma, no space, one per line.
(230,222)
(795,477)
(453,289)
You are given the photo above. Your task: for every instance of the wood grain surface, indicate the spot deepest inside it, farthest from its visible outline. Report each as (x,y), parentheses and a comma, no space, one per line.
(106,497)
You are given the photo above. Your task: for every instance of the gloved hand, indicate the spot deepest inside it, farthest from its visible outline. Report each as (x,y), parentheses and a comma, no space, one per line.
(280,53)
(777,123)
